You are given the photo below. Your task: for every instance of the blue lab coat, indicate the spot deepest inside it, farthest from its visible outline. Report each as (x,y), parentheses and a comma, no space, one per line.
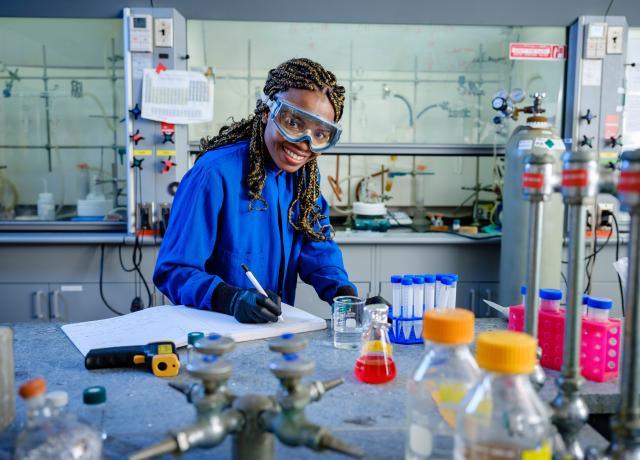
(212,232)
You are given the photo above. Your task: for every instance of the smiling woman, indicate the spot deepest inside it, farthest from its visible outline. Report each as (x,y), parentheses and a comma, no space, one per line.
(254,198)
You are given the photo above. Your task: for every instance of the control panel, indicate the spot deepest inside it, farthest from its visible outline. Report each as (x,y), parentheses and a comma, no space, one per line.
(155,40)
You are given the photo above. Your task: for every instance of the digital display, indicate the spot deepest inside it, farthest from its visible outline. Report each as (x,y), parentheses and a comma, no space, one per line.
(139,23)
(165,349)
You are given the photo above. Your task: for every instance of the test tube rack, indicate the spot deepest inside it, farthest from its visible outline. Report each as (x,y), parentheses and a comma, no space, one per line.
(599,345)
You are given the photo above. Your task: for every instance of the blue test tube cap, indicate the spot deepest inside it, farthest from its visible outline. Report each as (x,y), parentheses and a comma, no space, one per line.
(447,281)
(523,289)
(418,280)
(396,279)
(439,277)
(585,299)
(429,279)
(550,294)
(406,281)
(600,303)
(454,277)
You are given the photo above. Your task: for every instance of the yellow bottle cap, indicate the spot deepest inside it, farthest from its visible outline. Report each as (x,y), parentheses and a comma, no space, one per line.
(451,327)
(506,352)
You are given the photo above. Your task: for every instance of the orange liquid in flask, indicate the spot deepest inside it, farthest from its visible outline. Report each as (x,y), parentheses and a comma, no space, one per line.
(375,369)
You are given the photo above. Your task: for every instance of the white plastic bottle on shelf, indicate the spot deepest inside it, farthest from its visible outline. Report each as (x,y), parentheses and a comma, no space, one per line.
(439,384)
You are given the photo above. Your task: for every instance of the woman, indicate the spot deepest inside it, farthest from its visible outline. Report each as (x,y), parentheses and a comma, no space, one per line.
(253,197)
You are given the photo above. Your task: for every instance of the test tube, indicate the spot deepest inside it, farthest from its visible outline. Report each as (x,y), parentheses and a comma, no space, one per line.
(418,303)
(438,286)
(396,287)
(523,293)
(407,305)
(452,289)
(429,292)
(598,309)
(446,292)
(550,299)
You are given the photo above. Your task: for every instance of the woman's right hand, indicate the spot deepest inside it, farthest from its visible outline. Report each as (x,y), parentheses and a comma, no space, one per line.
(247,305)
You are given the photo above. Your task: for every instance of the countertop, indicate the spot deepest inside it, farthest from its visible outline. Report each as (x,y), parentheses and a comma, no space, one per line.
(141,408)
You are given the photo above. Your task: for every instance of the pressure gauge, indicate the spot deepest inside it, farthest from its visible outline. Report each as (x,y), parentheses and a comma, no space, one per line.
(517,95)
(499,103)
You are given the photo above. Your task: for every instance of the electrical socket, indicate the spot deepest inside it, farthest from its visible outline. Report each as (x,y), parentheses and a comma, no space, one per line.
(605,221)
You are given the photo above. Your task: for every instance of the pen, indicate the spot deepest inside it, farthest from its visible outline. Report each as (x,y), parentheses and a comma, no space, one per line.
(255,283)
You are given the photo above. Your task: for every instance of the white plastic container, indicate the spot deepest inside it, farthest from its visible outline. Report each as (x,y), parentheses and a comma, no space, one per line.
(418,296)
(407,305)
(550,299)
(598,309)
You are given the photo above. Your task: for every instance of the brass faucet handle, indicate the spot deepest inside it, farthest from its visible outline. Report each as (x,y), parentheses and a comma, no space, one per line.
(288,343)
(214,344)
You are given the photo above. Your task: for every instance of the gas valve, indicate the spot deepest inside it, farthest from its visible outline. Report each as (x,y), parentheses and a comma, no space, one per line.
(136,137)
(167,165)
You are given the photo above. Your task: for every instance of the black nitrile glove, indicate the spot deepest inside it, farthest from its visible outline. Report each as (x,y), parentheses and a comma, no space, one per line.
(377,299)
(246,305)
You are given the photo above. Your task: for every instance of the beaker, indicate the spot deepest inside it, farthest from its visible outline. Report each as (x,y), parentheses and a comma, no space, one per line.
(375,364)
(347,319)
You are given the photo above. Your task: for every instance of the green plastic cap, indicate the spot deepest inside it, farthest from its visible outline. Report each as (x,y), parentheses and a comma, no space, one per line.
(94,395)
(193,337)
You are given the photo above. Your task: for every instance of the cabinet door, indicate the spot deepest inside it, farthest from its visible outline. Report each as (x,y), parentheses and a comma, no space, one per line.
(470,295)
(23,302)
(82,302)
(307,299)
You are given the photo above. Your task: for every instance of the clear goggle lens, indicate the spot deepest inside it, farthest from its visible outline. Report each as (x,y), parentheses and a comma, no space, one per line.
(297,125)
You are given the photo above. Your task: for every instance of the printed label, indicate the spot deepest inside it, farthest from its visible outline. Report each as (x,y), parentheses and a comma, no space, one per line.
(629,181)
(71,288)
(533,180)
(142,153)
(165,153)
(525,144)
(537,51)
(611,126)
(544,143)
(575,178)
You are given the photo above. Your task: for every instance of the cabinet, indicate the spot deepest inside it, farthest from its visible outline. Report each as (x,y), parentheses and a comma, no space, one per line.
(63,302)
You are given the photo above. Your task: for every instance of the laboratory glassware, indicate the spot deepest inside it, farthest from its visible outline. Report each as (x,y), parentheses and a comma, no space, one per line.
(439,384)
(598,309)
(429,292)
(396,302)
(375,363)
(347,318)
(95,402)
(502,416)
(51,434)
(192,338)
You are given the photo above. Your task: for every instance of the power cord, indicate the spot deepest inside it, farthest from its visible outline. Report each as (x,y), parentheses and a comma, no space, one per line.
(104,300)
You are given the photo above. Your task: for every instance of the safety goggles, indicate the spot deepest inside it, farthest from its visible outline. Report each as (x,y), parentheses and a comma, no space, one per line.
(297,125)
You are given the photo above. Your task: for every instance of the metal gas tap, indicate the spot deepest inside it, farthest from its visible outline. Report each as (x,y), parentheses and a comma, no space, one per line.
(253,420)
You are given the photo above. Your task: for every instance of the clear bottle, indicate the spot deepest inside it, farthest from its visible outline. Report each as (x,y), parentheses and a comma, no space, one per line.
(50,433)
(192,338)
(95,402)
(502,416)
(375,364)
(598,309)
(439,384)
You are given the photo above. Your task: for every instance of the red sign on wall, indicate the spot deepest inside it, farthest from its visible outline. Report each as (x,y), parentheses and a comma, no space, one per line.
(537,51)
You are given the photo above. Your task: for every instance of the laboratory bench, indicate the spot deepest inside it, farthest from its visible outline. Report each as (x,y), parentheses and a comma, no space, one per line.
(141,408)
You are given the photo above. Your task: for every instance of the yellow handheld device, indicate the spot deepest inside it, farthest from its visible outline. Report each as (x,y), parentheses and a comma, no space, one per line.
(160,358)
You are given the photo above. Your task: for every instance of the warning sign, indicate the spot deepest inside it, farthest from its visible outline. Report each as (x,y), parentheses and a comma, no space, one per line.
(611,126)
(537,51)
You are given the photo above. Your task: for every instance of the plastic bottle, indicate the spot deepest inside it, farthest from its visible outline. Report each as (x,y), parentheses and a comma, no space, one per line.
(192,338)
(550,299)
(50,434)
(439,384)
(598,309)
(375,364)
(502,417)
(46,206)
(95,402)
(429,292)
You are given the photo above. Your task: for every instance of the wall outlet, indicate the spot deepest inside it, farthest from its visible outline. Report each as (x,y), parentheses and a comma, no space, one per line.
(164,32)
(615,39)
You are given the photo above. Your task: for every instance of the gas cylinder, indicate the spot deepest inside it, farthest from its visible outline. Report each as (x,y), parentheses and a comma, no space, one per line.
(535,137)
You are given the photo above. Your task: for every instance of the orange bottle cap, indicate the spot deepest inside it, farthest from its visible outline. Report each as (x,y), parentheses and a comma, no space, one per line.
(506,352)
(32,388)
(451,327)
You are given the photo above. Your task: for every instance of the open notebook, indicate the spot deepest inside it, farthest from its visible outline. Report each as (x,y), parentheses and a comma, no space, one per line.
(174,322)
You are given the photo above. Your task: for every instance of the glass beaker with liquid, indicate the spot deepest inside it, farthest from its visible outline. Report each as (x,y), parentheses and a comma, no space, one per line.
(375,364)
(347,318)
